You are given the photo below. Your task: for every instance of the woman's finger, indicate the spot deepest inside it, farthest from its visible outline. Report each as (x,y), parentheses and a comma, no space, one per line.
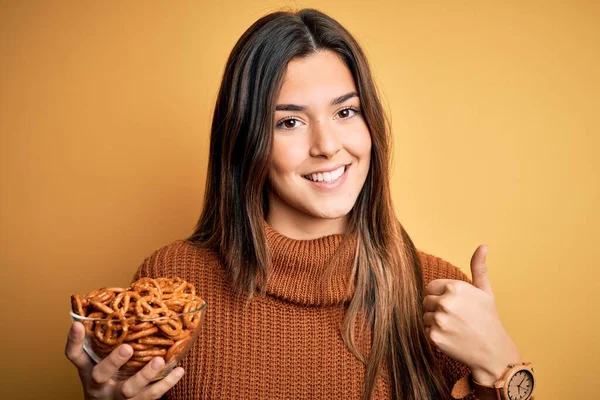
(74,347)
(429,319)
(161,387)
(134,385)
(430,303)
(107,367)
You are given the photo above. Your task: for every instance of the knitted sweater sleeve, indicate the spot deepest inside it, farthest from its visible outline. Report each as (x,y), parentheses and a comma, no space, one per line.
(456,373)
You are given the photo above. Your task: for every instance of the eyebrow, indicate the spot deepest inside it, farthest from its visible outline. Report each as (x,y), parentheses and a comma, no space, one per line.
(296,107)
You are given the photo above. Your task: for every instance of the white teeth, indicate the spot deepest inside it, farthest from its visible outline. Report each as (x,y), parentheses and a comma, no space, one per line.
(327,177)
(337,173)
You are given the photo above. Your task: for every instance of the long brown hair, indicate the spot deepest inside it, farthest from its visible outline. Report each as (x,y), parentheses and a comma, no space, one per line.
(388,279)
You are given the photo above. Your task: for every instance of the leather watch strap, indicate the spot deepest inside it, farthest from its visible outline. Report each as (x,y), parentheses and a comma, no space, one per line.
(486,392)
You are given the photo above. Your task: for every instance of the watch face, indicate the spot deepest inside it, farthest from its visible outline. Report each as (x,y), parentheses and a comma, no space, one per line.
(520,386)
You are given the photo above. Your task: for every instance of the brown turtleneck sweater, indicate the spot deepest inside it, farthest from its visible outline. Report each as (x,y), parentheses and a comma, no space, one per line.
(286,344)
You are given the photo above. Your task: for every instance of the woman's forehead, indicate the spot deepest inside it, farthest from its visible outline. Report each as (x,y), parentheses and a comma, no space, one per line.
(319,77)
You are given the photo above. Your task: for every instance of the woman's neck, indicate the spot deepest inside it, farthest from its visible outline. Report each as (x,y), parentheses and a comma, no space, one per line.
(295,224)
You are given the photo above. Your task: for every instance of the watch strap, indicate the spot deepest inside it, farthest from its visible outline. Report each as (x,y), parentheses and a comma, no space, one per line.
(485,392)
(467,385)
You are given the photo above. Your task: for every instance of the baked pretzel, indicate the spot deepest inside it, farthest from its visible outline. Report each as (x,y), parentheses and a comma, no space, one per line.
(176,349)
(122,302)
(148,307)
(113,330)
(155,316)
(190,319)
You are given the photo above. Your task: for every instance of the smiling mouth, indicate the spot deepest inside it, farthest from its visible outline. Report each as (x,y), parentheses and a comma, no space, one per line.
(327,177)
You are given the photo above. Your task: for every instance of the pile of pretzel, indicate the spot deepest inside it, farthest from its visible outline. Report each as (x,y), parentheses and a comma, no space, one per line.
(145,315)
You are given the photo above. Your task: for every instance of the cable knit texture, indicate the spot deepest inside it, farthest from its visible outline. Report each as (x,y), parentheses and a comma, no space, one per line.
(286,344)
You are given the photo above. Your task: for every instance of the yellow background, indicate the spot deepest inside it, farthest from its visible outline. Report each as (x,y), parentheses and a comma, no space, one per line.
(104,117)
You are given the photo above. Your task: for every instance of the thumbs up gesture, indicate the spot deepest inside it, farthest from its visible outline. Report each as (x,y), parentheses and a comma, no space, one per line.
(461,321)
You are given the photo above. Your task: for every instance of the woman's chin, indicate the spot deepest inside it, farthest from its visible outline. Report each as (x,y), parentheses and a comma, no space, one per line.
(330,214)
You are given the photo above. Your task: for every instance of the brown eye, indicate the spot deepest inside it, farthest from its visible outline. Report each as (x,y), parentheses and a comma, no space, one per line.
(289,123)
(348,112)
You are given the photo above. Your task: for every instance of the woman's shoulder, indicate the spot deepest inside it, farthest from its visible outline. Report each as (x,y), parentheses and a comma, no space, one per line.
(177,258)
(434,267)
(182,247)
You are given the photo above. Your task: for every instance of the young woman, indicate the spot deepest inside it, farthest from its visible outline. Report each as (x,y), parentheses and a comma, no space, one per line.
(314,288)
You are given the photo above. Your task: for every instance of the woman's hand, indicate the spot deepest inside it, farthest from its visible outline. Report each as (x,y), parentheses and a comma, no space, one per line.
(96,379)
(462,321)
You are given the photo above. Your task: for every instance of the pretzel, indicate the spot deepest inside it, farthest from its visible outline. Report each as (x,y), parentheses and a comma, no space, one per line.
(102,295)
(141,326)
(177,348)
(150,340)
(110,333)
(147,286)
(150,307)
(170,286)
(89,325)
(76,305)
(155,316)
(133,365)
(140,334)
(152,352)
(139,346)
(183,335)
(172,326)
(190,320)
(145,359)
(101,307)
(123,301)
(176,303)
(189,289)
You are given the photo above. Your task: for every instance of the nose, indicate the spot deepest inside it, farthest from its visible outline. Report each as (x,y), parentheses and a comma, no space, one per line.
(326,141)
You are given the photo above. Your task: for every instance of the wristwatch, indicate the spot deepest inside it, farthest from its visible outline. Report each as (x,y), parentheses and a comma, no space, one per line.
(516,383)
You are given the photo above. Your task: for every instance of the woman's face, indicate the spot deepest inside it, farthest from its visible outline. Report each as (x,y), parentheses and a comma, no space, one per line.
(321,143)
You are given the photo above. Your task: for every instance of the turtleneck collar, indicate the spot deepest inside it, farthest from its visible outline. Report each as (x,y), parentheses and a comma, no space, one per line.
(297,268)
